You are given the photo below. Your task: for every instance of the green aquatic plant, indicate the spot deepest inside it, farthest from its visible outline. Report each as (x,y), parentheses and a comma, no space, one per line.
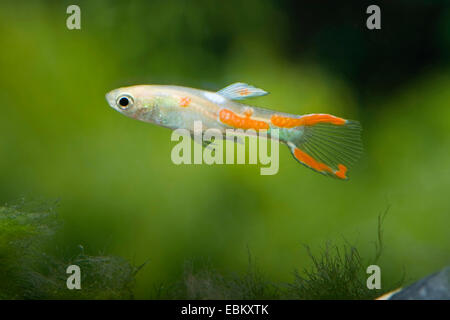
(206,282)
(28,271)
(336,272)
(339,272)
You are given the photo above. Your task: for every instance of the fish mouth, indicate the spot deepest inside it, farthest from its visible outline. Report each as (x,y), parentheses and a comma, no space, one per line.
(111,99)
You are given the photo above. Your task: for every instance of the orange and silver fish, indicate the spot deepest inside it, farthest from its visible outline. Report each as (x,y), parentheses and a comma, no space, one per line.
(322,142)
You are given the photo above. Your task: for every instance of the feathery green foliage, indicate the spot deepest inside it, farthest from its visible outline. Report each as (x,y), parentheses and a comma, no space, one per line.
(207,283)
(337,272)
(27,272)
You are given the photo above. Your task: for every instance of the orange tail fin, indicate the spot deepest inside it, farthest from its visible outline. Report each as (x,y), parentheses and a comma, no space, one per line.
(327,145)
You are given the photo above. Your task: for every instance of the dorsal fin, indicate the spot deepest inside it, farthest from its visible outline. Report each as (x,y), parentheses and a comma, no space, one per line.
(239,91)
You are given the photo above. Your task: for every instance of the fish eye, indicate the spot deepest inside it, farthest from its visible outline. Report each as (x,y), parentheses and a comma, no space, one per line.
(124,101)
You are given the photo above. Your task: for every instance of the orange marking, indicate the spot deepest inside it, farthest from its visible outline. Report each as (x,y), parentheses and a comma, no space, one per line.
(308,120)
(341,172)
(232,119)
(313,119)
(285,122)
(243,92)
(248,112)
(185,101)
(319,166)
(310,161)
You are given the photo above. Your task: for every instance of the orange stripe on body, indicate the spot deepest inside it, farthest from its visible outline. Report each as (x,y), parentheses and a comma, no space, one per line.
(319,166)
(232,119)
(308,120)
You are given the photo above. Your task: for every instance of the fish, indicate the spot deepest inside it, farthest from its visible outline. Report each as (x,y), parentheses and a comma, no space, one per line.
(325,143)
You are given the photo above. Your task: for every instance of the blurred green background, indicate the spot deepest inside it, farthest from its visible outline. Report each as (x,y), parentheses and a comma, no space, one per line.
(119,190)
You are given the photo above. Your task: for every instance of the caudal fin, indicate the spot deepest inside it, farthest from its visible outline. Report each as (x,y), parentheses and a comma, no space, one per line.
(327,145)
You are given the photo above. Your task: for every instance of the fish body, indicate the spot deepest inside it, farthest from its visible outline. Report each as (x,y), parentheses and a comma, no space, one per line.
(322,142)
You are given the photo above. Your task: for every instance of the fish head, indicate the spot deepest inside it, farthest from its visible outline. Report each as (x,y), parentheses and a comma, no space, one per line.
(135,102)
